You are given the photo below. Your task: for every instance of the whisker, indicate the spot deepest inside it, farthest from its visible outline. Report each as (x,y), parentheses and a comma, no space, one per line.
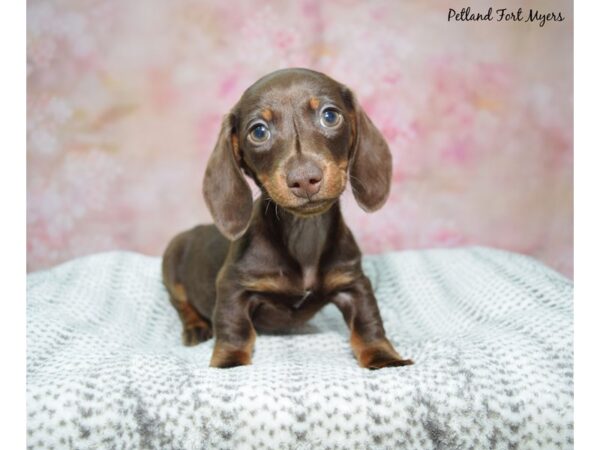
(358,181)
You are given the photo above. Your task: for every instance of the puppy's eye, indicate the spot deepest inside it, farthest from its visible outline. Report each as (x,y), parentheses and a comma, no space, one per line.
(259,133)
(330,118)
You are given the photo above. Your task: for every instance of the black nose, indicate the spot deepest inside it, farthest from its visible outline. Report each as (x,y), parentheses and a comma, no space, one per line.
(304,180)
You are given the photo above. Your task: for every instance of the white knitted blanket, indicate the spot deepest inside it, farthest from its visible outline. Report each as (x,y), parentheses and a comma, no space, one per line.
(490,333)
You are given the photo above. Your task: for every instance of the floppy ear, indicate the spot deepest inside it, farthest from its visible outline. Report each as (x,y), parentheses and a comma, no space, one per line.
(370,161)
(226,192)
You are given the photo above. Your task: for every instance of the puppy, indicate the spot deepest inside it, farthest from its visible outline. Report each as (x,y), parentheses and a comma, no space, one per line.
(271,264)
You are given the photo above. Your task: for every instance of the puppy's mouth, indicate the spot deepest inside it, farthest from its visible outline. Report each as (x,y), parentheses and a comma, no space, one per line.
(312,207)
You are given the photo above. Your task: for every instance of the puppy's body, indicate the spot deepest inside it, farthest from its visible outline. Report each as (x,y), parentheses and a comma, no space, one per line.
(272,264)
(290,266)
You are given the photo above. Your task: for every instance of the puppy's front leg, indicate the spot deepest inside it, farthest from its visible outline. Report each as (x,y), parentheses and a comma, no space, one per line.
(234,331)
(367,335)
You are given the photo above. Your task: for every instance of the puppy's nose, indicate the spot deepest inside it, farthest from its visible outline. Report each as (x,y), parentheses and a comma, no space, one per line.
(304,180)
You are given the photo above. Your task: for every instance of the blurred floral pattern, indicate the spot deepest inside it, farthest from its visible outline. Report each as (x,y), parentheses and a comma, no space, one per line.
(125,100)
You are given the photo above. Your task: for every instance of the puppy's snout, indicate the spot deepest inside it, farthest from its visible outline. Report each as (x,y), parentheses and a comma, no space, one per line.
(304,180)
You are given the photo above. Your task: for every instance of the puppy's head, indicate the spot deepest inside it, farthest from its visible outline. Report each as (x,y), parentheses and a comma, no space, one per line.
(300,135)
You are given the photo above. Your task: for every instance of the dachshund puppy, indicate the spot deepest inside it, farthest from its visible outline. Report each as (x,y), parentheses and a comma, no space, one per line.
(271,264)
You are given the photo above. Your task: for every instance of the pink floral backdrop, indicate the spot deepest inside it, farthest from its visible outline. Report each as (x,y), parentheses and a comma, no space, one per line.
(125,100)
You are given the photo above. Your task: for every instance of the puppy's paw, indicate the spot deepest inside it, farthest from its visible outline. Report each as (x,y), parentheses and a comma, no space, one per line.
(226,355)
(381,354)
(195,335)
(379,361)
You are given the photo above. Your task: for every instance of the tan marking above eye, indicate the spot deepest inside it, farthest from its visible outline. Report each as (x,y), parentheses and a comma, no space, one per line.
(314,103)
(267,114)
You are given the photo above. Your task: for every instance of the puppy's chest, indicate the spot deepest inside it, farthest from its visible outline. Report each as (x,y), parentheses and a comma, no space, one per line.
(299,287)
(310,285)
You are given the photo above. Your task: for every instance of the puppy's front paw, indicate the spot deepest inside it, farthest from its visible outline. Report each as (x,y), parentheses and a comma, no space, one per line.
(380,354)
(225,356)
(195,335)
(379,360)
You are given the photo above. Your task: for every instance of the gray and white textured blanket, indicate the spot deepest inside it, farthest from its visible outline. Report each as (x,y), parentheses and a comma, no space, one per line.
(490,333)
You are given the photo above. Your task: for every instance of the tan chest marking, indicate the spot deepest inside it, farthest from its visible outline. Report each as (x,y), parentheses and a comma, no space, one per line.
(281,284)
(276,284)
(338,279)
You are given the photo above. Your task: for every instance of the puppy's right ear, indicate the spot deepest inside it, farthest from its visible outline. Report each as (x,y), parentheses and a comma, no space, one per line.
(225,189)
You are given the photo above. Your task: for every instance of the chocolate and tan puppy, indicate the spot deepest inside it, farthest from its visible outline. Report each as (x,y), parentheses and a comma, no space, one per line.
(273,263)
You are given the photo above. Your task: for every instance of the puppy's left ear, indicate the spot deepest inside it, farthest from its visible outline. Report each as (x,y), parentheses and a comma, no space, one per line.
(370,159)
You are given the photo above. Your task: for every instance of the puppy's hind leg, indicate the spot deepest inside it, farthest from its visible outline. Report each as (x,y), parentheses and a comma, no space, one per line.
(196,328)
